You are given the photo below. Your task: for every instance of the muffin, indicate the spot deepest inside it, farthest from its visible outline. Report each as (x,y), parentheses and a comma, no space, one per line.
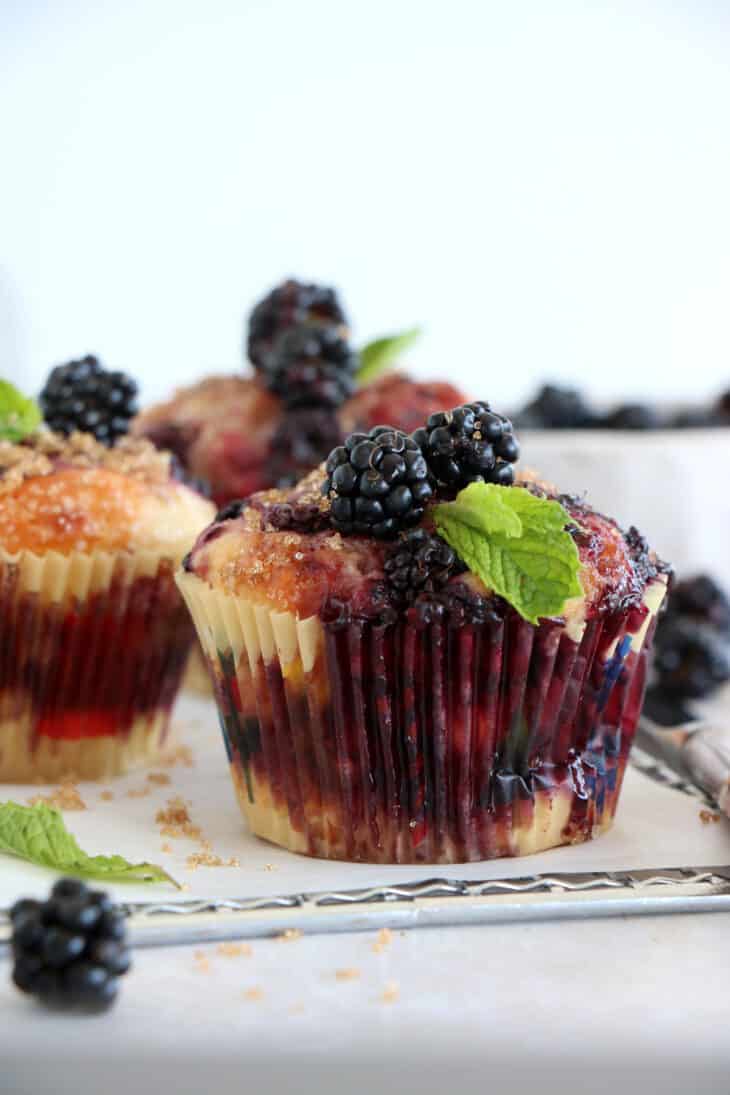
(419,657)
(95,636)
(308,391)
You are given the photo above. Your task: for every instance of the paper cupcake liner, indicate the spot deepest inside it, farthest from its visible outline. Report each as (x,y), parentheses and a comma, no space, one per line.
(415,742)
(92,650)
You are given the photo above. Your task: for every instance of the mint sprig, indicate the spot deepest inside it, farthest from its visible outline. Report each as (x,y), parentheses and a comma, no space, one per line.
(19,415)
(381,353)
(38,834)
(517,544)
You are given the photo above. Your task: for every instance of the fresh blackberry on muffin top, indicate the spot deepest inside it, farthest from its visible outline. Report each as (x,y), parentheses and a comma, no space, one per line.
(303,439)
(467,444)
(310,366)
(378,483)
(82,395)
(69,951)
(419,562)
(289,305)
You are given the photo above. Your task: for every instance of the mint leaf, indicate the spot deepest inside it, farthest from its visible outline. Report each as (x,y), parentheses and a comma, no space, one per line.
(381,353)
(517,544)
(18,416)
(38,833)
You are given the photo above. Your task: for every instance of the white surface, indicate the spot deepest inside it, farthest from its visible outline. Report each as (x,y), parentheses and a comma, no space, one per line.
(543,185)
(505,1007)
(667,483)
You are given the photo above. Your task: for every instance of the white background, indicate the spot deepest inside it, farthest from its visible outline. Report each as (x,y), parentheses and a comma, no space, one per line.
(545,186)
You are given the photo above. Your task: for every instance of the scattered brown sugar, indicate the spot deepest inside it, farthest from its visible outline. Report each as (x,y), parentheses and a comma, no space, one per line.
(44,451)
(348,974)
(234,950)
(179,755)
(209,859)
(160,778)
(202,963)
(107,796)
(706,816)
(65,797)
(255,993)
(391,992)
(383,939)
(289,935)
(138,792)
(175,821)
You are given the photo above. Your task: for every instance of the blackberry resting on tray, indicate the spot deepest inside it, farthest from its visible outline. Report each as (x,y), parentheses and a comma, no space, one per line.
(378,483)
(310,366)
(469,443)
(288,305)
(82,395)
(69,951)
(691,660)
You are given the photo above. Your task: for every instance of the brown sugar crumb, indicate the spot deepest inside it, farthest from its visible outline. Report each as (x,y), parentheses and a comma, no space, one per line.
(141,792)
(202,964)
(255,993)
(289,935)
(706,816)
(391,992)
(42,452)
(160,778)
(384,939)
(350,974)
(234,950)
(106,796)
(65,797)
(167,848)
(179,756)
(210,859)
(175,821)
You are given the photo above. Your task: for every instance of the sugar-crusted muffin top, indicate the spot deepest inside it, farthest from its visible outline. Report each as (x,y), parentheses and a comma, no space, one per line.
(74,494)
(280,549)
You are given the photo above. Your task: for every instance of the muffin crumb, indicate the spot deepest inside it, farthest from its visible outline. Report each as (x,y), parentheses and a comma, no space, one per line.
(707,816)
(234,950)
(348,974)
(255,993)
(65,797)
(289,935)
(161,779)
(209,859)
(384,939)
(106,796)
(391,993)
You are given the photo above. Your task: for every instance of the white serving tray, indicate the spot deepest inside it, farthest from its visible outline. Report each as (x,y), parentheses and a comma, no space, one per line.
(659,857)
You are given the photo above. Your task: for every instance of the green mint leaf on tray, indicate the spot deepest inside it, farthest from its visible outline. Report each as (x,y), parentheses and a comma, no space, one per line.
(38,833)
(517,544)
(19,416)
(381,353)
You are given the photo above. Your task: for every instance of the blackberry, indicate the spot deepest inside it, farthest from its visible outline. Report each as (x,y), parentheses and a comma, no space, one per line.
(701,599)
(288,305)
(556,408)
(469,443)
(310,366)
(631,416)
(303,439)
(84,396)
(420,562)
(378,483)
(691,659)
(70,950)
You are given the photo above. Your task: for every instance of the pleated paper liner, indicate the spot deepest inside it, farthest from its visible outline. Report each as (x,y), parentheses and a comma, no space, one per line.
(92,651)
(422,742)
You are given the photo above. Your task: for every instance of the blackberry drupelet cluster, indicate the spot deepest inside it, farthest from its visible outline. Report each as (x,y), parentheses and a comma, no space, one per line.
(378,483)
(556,408)
(82,395)
(303,439)
(467,444)
(420,562)
(291,304)
(69,951)
(310,366)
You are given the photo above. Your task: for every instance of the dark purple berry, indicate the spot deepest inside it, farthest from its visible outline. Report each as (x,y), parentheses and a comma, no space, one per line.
(632,416)
(701,599)
(82,395)
(378,483)
(691,659)
(556,408)
(69,951)
(290,304)
(419,562)
(302,440)
(468,444)
(310,366)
